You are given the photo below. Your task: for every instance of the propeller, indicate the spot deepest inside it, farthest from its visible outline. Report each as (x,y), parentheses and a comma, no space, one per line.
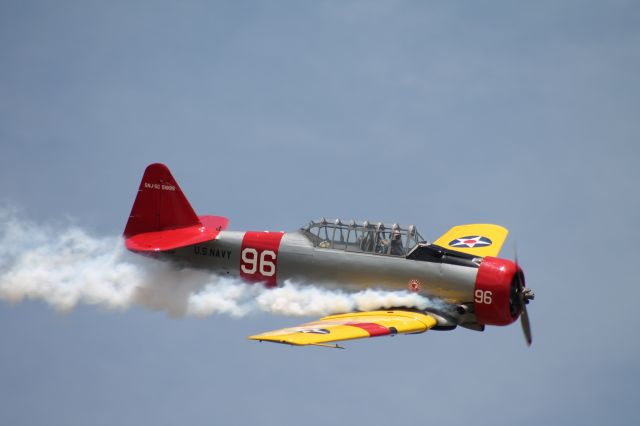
(524,295)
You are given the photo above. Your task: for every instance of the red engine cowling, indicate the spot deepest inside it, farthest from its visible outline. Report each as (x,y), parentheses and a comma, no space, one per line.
(494,294)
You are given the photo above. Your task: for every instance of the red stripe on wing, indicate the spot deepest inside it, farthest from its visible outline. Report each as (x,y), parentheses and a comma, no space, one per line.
(371,328)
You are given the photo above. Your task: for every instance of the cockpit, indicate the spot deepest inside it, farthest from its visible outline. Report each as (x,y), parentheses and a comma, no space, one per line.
(363,237)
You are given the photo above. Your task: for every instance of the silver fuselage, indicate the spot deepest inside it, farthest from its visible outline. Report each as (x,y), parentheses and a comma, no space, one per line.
(296,259)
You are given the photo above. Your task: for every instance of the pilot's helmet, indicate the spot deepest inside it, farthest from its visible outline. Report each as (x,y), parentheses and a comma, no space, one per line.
(396,235)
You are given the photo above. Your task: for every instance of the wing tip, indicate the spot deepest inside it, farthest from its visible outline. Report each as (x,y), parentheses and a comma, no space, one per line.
(480,239)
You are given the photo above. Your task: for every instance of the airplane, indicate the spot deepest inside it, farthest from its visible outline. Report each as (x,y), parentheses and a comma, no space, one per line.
(460,268)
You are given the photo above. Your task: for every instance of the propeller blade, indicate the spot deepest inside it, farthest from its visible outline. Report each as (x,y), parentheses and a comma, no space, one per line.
(524,316)
(526,326)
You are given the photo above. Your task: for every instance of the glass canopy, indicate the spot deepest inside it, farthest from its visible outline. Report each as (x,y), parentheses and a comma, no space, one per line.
(363,237)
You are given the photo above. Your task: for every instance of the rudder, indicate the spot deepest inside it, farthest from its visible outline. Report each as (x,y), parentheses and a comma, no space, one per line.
(160,204)
(162,219)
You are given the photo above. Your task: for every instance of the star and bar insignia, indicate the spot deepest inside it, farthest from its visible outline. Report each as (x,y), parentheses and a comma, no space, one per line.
(471,241)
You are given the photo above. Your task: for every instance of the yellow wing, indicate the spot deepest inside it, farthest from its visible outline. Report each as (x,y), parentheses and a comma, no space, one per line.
(476,239)
(356,325)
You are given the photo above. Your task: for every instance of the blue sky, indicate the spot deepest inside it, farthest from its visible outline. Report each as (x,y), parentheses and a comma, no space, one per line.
(273,113)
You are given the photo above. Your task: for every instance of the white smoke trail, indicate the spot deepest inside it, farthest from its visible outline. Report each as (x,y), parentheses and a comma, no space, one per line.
(65,266)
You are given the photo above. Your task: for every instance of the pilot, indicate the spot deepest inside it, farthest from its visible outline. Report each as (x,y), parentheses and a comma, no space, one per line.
(396,243)
(367,242)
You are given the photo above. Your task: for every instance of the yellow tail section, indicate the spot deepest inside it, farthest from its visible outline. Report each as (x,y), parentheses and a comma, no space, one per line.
(476,239)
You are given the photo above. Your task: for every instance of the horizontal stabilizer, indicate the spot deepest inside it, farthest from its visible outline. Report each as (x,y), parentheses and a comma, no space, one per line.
(172,239)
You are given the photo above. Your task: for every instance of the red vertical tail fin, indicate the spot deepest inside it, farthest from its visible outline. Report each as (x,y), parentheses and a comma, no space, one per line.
(162,218)
(160,204)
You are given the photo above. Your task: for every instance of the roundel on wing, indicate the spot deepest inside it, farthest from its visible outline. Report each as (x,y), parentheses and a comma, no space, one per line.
(471,242)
